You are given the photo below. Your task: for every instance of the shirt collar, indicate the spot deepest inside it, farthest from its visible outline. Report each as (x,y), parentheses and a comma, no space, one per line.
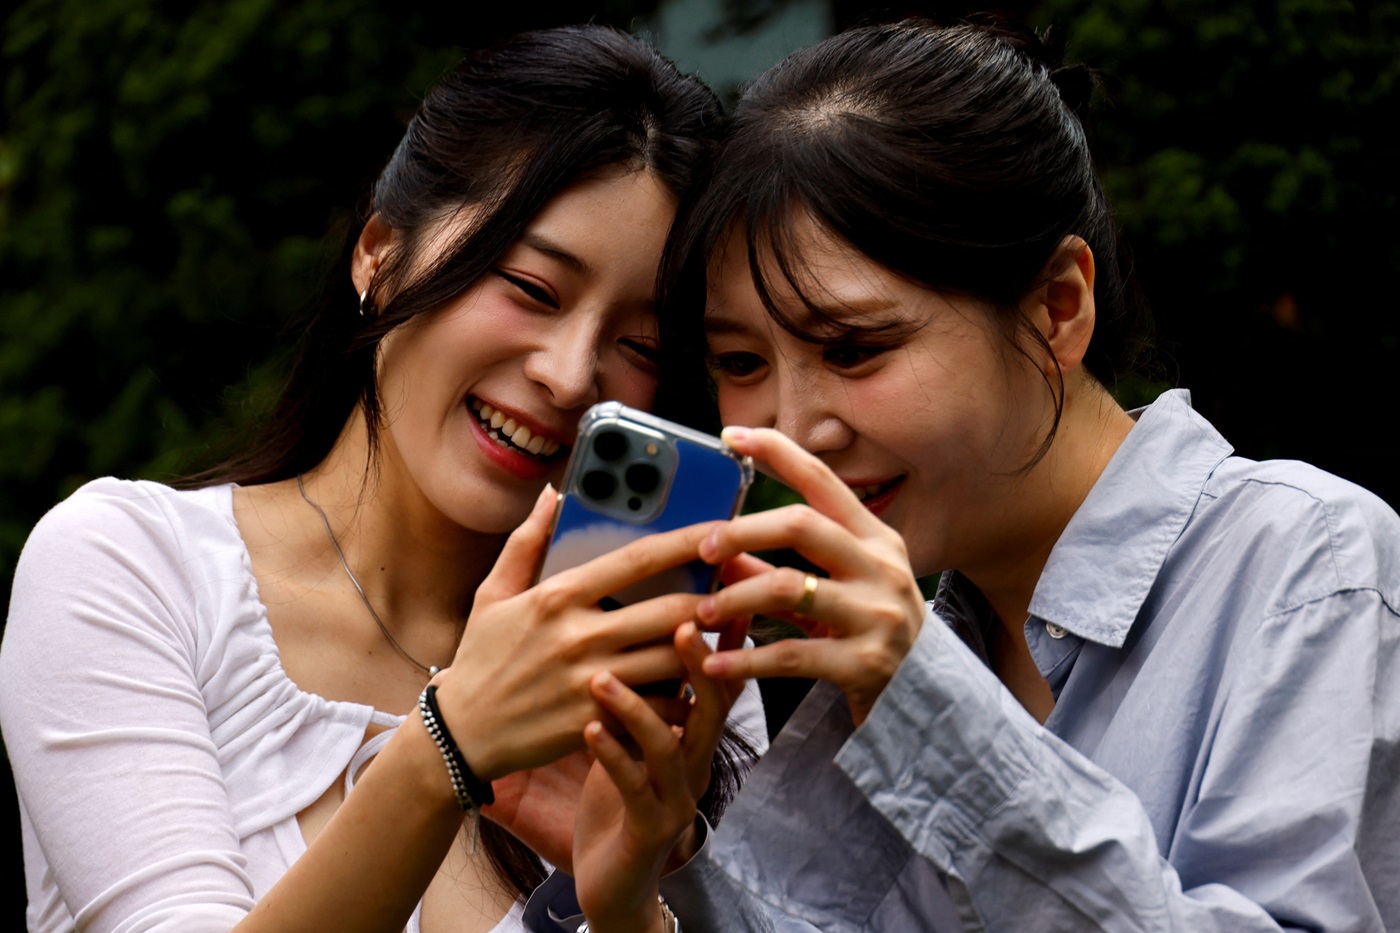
(1106,560)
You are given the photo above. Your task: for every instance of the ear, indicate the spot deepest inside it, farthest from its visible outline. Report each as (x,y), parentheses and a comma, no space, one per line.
(370,250)
(1062,308)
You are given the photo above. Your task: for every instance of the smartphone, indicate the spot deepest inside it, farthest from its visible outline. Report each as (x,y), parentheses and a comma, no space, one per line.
(632,474)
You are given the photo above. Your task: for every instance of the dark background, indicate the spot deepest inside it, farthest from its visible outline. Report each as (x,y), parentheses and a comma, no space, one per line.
(175,180)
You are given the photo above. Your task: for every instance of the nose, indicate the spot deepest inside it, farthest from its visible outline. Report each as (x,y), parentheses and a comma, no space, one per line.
(813,411)
(566,362)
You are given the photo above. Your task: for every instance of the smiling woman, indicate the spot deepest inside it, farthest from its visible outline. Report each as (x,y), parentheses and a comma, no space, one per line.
(565,319)
(347,605)
(1156,688)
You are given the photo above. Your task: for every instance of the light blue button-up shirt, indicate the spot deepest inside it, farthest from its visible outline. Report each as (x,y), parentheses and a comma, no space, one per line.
(1223,643)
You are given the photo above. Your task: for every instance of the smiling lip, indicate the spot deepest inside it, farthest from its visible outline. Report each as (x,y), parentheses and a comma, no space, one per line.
(521,462)
(877,496)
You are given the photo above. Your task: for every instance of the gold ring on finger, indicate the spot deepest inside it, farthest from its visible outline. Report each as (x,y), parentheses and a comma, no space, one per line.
(809,594)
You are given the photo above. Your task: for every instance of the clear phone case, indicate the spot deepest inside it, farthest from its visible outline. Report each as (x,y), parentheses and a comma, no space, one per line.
(632,474)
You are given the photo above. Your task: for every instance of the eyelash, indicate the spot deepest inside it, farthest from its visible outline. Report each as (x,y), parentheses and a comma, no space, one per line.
(737,365)
(645,351)
(529,289)
(864,353)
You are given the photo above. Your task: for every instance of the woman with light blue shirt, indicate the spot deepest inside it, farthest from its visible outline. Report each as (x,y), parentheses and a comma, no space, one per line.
(1159,685)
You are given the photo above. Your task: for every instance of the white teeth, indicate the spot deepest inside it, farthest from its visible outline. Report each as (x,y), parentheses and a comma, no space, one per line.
(865,492)
(520,436)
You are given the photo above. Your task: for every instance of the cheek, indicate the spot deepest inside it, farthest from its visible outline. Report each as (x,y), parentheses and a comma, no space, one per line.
(624,382)
(743,405)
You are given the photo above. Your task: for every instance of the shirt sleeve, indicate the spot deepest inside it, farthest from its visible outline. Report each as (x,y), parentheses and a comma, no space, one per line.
(106,725)
(705,899)
(1039,837)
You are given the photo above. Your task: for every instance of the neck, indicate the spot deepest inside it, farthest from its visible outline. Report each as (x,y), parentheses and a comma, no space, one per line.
(1092,426)
(418,569)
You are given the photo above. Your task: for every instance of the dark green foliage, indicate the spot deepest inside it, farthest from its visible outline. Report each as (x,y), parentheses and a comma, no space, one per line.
(1250,151)
(176,181)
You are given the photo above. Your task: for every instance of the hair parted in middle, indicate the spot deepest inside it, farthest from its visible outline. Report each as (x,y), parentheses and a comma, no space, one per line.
(954,156)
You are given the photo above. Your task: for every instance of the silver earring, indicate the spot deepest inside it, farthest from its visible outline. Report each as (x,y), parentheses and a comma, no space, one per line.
(364,301)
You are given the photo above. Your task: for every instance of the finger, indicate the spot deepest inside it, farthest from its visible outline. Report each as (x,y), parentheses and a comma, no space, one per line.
(808,476)
(520,558)
(741,567)
(628,774)
(646,665)
(801,528)
(658,741)
(733,635)
(780,593)
(712,701)
(650,621)
(813,658)
(634,561)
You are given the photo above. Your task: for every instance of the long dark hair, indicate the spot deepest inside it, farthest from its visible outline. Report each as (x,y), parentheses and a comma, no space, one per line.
(954,156)
(502,133)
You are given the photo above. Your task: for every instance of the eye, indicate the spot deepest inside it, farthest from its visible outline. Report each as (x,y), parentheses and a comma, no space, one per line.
(643,350)
(534,292)
(851,355)
(738,364)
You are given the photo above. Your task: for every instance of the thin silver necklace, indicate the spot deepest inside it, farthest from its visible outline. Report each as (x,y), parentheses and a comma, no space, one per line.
(430,669)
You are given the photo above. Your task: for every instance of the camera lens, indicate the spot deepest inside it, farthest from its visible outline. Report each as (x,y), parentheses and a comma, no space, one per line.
(610,445)
(643,478)
(598,484)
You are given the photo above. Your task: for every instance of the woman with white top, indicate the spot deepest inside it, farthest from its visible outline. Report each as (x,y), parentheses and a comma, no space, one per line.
(193,680)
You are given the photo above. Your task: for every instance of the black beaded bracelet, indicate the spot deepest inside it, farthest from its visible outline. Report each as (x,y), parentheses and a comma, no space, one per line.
(471,791)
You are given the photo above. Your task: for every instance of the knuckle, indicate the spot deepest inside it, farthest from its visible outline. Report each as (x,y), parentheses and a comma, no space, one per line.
(885,617)
(787,658)
(554,597)
(875,663)
(803,519)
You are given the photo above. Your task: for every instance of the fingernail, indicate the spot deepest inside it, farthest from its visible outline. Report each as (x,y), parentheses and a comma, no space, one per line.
(705,609)
(710,545)
(733,434)
(690,636)
(605,682)
(716,665)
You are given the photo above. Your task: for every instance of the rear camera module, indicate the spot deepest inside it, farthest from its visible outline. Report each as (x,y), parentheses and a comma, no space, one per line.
(598,484)
(610,445)
(642,478)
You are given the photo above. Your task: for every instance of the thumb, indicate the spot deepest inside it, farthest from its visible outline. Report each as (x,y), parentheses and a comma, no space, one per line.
(520,558)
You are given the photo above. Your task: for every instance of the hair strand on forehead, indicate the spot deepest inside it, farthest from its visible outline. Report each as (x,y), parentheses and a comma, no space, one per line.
(949,156)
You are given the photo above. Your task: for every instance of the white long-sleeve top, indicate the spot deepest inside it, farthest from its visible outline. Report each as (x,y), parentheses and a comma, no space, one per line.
(161,752)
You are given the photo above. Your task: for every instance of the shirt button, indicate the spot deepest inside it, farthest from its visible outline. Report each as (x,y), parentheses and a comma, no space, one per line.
(1055,631)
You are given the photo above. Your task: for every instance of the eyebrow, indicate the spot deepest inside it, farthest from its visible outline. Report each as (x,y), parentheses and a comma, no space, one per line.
(868,313)
(543,244)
